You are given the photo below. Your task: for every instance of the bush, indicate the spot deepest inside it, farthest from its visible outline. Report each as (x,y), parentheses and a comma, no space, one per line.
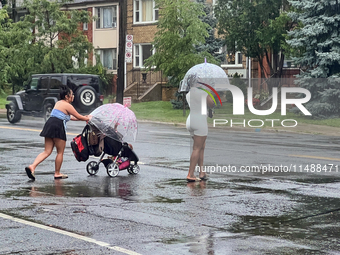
(238,82)
(178,102)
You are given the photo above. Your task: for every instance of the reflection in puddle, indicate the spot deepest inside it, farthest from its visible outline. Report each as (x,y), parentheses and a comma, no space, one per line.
(303,224)
(202,244)
(160,199)
(109,188)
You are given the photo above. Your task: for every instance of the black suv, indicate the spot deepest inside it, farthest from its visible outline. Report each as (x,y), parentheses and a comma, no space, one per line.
(43,90)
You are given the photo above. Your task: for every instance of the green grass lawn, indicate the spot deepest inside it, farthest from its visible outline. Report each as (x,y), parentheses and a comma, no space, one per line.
(3,101)
(158,111)
(163,111)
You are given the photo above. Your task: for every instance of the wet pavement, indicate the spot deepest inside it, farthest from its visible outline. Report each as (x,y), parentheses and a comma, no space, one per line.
(157,212)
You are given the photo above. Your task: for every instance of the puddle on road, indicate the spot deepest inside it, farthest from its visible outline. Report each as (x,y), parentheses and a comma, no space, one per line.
(319,180)
(160,199)
(308,224)
(121,190)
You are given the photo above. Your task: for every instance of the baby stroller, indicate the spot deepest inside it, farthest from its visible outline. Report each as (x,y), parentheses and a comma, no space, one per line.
(121,157)
(110,124)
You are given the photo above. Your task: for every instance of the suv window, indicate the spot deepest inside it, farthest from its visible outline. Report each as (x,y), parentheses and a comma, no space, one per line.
(55,82)
(43,83)
(34,83)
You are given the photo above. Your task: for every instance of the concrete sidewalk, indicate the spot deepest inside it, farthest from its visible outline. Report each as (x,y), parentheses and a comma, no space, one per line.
(300,128)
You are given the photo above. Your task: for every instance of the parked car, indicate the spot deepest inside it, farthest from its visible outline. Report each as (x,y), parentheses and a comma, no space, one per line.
(42,92)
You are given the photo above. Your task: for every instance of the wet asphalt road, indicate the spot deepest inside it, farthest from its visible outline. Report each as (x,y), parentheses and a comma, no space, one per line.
(157,212)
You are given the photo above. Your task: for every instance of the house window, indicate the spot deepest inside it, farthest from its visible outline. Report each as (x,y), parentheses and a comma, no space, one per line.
(107,17)
(108,58)
(85,26)
(145,11)
(231,58)
(289,63)
(141,53)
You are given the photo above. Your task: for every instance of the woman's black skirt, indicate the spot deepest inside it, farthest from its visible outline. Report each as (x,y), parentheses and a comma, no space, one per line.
(54,128)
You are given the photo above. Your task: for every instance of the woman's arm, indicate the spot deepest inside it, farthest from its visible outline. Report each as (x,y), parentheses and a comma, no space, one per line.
(210,102)
(75,115)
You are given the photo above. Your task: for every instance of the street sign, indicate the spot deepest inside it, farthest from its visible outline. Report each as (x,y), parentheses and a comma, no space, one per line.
(128,57)
(128,46)
(129,38)
(127,101)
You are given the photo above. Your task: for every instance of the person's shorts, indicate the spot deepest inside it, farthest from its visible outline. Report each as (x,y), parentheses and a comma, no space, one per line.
(197,125)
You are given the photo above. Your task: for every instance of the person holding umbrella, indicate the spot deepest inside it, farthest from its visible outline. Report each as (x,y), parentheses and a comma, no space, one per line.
(200,81)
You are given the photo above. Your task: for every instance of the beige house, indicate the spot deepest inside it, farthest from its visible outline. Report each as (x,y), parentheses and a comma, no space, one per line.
(103,32)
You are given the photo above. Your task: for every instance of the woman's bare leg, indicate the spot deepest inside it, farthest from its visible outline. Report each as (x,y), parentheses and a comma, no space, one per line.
(49,144)
(60,145)
(200,161)
(199,142)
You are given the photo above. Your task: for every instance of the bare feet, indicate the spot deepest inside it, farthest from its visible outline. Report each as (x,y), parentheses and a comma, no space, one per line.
(192,179)
(61,176)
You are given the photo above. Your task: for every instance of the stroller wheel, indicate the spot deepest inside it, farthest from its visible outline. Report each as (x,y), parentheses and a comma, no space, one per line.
(92,168)
(134,169)
(112,169)
(129,169)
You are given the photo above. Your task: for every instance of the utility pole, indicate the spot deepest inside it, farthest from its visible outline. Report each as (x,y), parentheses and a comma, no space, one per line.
(121,51)
(14,6)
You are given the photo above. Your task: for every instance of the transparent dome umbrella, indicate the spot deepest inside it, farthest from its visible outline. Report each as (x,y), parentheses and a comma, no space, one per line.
(205,75)
(110,118)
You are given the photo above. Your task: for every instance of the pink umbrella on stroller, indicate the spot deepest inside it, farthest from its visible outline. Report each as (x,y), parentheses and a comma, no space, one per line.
(115,121)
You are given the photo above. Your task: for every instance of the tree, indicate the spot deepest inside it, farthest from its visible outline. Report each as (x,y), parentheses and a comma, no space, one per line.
(212,44)
(317,39)
(57,37)
(47,40)
(13,42)
(257,28)
(180,31)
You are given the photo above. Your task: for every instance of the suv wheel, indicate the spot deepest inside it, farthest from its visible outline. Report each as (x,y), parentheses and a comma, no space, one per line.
(86,97)
(47,111)
(13,113)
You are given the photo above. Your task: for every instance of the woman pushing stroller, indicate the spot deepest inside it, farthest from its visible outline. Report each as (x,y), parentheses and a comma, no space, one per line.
(54,132)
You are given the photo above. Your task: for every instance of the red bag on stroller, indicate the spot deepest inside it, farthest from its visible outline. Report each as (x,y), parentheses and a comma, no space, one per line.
(79,145)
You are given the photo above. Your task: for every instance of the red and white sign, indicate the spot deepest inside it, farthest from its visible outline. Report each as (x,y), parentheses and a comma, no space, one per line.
(128,57)
(128,47)
(129,38)
(127,101)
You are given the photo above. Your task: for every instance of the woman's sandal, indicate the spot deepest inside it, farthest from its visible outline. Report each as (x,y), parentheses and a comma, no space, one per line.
(204,178)
(29,173)
(63,176)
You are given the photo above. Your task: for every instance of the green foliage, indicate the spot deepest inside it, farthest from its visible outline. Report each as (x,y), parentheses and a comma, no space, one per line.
(256,28)
(317,39)
(238,82)
(55,46)
(178,102)
(212,44)
(179,32)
